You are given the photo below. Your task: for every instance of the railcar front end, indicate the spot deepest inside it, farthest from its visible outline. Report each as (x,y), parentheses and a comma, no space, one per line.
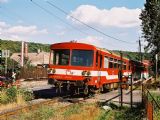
(71,65)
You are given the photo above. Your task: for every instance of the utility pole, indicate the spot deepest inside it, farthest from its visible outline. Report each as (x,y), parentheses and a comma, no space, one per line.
(120,74)
(22,54)
(5,54)
(156,66)
(131,95)
(140,55)
(6,65)
(140,50)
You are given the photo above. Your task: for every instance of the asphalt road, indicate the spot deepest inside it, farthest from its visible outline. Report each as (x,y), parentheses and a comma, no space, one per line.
(42,90)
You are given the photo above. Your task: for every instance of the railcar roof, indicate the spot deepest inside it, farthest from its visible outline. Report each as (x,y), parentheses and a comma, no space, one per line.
(111,52)
(74,45)
(89,45)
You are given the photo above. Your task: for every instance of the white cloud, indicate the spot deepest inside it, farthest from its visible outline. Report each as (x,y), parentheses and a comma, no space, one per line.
(20,32)
(3,1)
(94,40)
(115,17)
(61,33)
(32,30)
(16,37)
(3,25)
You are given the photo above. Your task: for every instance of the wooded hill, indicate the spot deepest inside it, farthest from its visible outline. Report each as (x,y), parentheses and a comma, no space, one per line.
(15,46)
(134,55)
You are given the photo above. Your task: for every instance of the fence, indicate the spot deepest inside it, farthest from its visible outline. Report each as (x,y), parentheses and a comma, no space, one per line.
(33,73)
(152,107)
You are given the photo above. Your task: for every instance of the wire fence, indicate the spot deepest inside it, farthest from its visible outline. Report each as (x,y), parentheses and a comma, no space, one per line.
(151,103)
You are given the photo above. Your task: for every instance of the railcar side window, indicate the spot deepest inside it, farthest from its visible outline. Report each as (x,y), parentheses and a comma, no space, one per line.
(61,57)
(111,64)
(106,62)
(115,63)
(97,58)
(82,58)
(124,67)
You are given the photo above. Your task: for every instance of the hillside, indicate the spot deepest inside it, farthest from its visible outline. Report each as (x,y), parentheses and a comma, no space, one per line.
(134,55)
(15,46)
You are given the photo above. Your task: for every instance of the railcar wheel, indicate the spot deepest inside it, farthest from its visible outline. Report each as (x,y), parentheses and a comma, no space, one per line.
(106,88)
(58,88)
(86,91)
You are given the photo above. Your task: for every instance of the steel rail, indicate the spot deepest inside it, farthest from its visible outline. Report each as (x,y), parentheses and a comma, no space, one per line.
(32,106)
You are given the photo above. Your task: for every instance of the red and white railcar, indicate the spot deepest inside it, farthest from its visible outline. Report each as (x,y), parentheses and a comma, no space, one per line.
(85,66)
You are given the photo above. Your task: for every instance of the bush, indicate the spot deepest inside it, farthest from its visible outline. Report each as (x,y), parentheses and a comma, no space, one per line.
(27,95)
(10,95)
(3,97)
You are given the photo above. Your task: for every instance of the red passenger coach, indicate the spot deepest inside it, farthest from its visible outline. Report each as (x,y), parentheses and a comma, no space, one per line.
(85,67)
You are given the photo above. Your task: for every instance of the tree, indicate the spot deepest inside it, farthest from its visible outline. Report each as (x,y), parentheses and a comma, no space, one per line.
(150,17)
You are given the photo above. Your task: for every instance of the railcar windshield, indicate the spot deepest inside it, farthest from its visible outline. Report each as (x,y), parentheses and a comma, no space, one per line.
(61,57)
(82,58)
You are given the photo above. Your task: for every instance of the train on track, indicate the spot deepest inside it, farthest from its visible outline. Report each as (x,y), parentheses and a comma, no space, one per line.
(87,68)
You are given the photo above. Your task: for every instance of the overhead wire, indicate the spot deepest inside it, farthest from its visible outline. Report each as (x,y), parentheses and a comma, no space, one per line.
(61,19)
(91,27)
(53,15)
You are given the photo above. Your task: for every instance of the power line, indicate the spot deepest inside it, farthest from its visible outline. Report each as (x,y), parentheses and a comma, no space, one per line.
(47,11)
(95,29)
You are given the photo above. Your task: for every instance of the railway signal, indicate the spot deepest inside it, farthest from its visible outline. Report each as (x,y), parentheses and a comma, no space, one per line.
(2,61)
(4,54)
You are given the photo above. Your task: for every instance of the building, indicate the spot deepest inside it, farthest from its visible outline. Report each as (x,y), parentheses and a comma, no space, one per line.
(39,58)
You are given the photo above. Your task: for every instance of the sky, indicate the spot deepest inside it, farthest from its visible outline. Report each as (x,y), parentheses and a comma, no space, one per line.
(40,22)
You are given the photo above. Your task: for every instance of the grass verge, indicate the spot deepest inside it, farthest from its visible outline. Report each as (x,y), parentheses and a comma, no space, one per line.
(85,111)
(13,97)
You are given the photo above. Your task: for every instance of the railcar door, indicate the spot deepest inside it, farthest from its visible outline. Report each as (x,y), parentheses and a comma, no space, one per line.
(99,66)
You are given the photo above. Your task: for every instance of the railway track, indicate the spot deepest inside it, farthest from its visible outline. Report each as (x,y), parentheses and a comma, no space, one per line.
(32,106)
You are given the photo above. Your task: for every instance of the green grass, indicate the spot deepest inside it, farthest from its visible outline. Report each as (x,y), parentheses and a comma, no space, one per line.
(74,109)
(124,113)
(156,96)
(106,115)
(128,114)
(43,113)
(83,112)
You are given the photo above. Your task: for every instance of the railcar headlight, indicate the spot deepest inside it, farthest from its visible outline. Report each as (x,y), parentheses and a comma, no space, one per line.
(84,73)
(88,73)
(51,71)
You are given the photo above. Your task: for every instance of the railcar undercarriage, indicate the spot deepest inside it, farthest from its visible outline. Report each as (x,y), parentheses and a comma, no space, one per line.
(73,87)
